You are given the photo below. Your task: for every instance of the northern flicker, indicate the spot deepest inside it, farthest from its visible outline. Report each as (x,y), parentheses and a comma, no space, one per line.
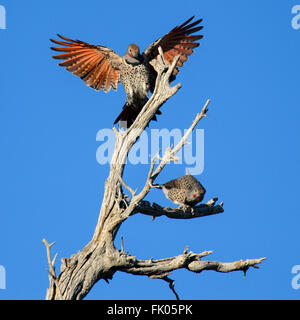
(186,191)
(101,68)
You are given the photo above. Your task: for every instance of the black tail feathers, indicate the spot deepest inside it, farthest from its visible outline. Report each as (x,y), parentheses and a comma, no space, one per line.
(129,114)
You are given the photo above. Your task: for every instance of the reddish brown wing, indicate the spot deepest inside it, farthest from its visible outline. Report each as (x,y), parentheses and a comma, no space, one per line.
(178,41)
(95,65)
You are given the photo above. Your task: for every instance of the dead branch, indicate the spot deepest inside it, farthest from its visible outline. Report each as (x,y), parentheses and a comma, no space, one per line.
(188,260)
(202,210)
(99,259)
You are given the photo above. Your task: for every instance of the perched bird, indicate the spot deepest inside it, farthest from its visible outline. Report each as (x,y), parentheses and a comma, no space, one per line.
(186,191)
(101,68)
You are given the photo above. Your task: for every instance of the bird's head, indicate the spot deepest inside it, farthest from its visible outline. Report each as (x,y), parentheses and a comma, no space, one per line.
(133,50)
(132,55)
(195,195)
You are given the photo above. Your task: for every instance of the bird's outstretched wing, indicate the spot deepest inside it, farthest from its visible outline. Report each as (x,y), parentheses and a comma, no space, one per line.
(97,66)
(178,41)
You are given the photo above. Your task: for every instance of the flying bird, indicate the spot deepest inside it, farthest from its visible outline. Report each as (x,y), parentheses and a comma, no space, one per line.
(101,68)
(186,191)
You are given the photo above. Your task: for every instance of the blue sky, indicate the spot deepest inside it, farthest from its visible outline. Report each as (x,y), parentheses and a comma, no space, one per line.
(52,186)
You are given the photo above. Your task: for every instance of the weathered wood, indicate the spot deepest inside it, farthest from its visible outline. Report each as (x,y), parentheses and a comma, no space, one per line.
(99,259)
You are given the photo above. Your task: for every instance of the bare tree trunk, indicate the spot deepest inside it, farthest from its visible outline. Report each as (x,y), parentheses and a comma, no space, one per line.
(99,259)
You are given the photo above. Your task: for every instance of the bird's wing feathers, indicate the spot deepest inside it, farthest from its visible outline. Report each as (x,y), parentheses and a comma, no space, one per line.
(184,183)
(178,41)
(97,66)
(173,184)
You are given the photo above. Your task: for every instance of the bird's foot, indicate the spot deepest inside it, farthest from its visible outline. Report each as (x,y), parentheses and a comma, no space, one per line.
(186,208)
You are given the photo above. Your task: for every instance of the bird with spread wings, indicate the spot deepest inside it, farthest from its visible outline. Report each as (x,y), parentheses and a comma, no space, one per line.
(101,68)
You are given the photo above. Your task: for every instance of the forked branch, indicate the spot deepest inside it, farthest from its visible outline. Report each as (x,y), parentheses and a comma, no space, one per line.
(100,259)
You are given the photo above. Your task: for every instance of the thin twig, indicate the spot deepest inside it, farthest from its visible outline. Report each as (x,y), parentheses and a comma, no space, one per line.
(51,270)
(171,152)
(171,286)
(122,244)
(50,263)
(133,192)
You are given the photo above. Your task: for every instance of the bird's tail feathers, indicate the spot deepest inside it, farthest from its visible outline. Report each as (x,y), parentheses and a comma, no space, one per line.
(129,114)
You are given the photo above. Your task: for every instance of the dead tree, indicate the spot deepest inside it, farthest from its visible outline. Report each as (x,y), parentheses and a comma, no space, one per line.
(100,259)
